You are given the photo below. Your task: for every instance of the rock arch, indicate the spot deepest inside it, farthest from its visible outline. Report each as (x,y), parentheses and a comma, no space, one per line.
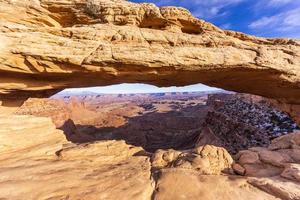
(47,46)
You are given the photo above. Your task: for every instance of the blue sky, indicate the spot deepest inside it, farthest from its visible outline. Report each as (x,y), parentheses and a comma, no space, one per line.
(267,18)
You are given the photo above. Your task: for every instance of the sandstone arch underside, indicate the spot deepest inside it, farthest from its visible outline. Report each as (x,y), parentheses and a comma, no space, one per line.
(49,45)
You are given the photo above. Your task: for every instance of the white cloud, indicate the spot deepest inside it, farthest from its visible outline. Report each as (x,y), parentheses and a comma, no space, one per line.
(216,2)
(210,8)
(284,23)
(276,3)
(286,20)
(292,18)
(272,4)
(265,21)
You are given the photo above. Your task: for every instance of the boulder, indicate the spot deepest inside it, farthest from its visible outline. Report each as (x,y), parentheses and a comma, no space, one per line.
(207,160)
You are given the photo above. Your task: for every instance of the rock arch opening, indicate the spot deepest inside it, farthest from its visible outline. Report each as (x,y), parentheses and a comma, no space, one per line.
(164,118)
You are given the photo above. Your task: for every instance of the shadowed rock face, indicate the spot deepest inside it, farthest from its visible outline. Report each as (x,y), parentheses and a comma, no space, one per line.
(47,46)
(241,121)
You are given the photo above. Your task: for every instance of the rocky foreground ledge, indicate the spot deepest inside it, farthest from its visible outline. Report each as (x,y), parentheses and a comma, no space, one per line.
(37,162)
(49,45)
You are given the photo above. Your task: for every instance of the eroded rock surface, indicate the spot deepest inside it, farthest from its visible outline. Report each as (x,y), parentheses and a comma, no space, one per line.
(241,121)
(182,184)
(35,153)
(280,154)
(274,169)
(277,186)
(47,46)
(207,160)
(37,162)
